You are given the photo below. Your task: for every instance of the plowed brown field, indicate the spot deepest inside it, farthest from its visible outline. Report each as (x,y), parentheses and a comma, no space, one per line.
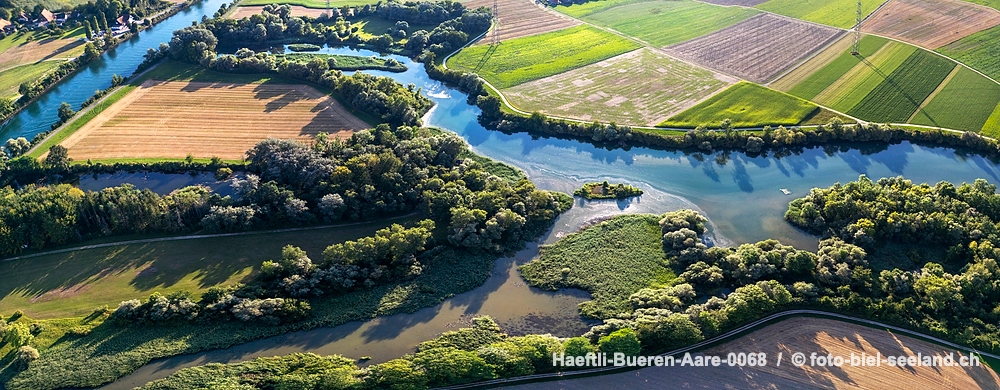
(931,23)
(243,12)
(805,335)
(176,119)
(757,49)
(521,18)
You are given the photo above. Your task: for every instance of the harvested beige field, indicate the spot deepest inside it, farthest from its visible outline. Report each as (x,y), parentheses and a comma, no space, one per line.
(642,87)
(47,49)
(242,12)
(202,119)
(521,18)
(758,49)
(806,335)
(931,23)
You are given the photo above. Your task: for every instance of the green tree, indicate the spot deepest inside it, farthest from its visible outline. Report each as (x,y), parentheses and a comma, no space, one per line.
(65,112)
(90,51)
(17,147)
(578,346)
(452,366)
(18,335)
(622,340)
(396,374)
(58,157)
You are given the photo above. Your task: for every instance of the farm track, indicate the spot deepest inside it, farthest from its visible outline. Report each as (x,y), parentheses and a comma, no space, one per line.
(757,49)
(930,23)
(522,18)
(177,119)
(564,377)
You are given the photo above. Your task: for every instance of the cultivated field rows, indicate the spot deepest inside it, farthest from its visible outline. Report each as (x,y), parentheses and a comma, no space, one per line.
(854,85)
(521,18)
(176,119)
(758,49)
(931,23)
(642,87)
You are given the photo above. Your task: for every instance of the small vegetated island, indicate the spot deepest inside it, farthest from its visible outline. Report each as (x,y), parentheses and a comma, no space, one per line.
(605,190)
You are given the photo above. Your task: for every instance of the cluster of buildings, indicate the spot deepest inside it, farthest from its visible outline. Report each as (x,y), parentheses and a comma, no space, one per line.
(44,19)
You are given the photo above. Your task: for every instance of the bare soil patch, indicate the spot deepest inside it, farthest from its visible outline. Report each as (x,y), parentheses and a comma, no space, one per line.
(931,23)
(175,119)
(42,50)
(757,49)
(805,335)
(642,87)
(521,18)
(242,12)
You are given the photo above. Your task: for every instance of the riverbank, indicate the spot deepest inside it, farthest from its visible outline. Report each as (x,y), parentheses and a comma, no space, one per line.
(79,65)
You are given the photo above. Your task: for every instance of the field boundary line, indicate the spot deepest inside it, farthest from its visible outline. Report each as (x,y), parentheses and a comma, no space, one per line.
(815,54)
(197,237)
(939,54)
(936,91)
(720,338)
(85,110)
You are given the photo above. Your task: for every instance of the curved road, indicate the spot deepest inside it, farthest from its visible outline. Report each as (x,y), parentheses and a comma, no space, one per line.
(723,337)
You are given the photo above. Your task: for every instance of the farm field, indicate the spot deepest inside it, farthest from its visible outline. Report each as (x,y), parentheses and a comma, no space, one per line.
(746,105)
(76,283)
(931,23)
(836,13)
(521,18)
(745,3)
(16,50)
(642,87)
(848,90)
(825,67)
(905,89)
(531,58)
(758,49)
(174,119)
(964,103)
(667,22)
(995,4)
(992,126)
(981,51)
(297,10)
(11,78)
(319,4)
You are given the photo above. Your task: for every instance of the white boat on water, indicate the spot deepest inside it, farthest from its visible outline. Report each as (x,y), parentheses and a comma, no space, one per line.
(786,191)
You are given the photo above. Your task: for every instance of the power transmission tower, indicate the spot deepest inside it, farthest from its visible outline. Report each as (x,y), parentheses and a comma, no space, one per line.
(329,12)
(495,38)
(856,49)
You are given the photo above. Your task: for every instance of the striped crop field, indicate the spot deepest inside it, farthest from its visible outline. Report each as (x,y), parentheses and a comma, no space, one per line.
(836,13)
(867,74)
(746,105)
(965,103)
(175,119)
(823,70)
(981,51)
(667,22)
(897,97)
(531,58)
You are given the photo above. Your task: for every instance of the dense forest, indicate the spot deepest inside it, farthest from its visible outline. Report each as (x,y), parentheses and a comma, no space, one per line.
(374,173)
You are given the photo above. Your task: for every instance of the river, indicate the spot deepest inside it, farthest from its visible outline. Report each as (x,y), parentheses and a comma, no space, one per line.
(80,86)
(740,194)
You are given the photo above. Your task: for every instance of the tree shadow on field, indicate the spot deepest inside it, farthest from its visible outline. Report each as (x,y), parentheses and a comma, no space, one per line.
(328,118)
(63,49)
(279,97)
(899,88)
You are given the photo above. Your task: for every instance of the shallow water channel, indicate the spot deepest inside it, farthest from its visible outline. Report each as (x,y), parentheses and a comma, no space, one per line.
(740,194)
